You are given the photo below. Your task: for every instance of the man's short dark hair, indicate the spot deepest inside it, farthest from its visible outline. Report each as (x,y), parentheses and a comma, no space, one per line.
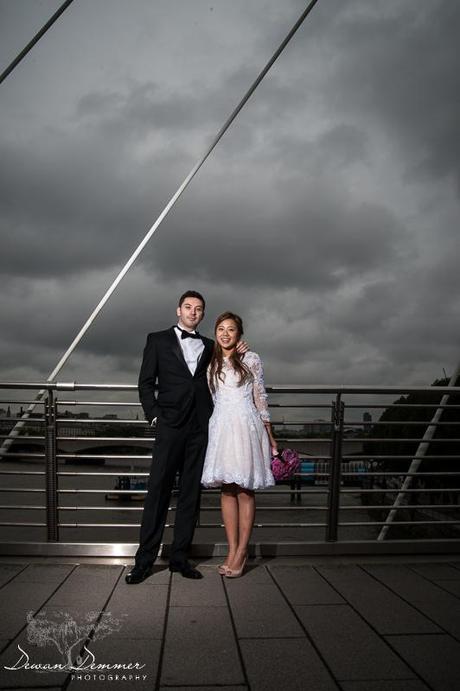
(192,294)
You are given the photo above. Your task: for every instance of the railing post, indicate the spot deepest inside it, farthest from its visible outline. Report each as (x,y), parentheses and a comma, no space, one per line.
(335,467)
(51,468)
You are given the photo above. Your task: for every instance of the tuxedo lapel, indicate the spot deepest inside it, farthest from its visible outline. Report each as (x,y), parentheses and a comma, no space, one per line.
(204,358)
(177,350)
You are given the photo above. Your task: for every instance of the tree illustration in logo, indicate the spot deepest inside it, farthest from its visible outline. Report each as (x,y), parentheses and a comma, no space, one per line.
(67,632)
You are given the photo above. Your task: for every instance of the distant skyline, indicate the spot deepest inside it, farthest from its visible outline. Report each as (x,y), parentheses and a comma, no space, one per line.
(327,216)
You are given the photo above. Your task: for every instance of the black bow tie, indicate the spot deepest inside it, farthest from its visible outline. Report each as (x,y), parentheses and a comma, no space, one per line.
(187,334)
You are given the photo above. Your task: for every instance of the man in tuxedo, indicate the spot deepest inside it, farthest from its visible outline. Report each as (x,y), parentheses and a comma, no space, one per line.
(177,358)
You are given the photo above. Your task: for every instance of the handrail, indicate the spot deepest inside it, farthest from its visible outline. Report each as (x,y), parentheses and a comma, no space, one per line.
(272,388)
(343,476)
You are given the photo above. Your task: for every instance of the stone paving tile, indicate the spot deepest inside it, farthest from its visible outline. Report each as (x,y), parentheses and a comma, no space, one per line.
(187,592)
(203,688)
(256,573)
(3,643)
(452,587)
(141,609)
(16,600)
(385,685)
(120,651)
(303,585)
(435,658)
(435,571)
(288,664)
(384,610)
(33,654)
(405,582)
(444,611)
(431,599)
(259,610)
(200,648)
(45,573)
(8,571)
(88,586)
(350,647)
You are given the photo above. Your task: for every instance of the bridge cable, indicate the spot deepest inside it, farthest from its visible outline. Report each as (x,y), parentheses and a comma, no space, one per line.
(35,40)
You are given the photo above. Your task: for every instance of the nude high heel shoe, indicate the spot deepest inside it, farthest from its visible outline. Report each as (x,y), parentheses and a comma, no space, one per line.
(236,573)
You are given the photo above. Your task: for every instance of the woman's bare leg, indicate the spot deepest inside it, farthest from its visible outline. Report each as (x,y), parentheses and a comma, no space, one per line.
(246,514)
(229,508)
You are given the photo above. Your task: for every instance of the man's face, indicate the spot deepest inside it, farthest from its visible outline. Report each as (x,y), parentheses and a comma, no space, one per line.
(190,313)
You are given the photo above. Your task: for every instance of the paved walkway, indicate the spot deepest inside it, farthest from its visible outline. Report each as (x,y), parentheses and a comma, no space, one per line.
(316,624)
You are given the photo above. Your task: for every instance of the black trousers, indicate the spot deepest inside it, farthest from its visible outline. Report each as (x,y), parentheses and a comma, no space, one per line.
(176,450)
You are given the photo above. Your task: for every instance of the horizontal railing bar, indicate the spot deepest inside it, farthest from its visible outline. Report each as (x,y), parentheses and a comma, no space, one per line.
(131,473)
(21,489)
(405,507)
(135,404)
(413,523)
(396,474)
(26,437)
(63,402)
(389,423)
(23,454)
(388,490)
(414,440)
(273,388)
(260,509)
(349,524)
(171,525)
(271,405)
(270,525)
(144,423)
(22,472)
(22,525)
(97,420)
(208,491)
(90,439)
(401,405)
(21,507)
(30,420)
(79,456)
(203,508)
(402,507)
(389,457)
(18,401)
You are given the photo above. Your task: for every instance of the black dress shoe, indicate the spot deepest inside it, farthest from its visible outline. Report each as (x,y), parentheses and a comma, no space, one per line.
(186,570)
(138,574)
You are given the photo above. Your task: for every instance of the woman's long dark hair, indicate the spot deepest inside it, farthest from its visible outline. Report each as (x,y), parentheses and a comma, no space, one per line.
(217,359)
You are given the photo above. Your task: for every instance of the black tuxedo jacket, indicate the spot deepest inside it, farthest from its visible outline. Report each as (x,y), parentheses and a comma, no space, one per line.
(178,390)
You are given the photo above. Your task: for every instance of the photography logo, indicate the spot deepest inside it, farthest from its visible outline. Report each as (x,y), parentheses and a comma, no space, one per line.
(69,635)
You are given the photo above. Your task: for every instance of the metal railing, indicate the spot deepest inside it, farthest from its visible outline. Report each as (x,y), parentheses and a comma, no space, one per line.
(338,503)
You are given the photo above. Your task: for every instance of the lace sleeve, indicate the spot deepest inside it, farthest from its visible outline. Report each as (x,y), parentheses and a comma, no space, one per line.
(213,394)
(260,395)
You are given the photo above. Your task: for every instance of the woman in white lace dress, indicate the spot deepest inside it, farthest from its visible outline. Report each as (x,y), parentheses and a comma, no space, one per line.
(240,441)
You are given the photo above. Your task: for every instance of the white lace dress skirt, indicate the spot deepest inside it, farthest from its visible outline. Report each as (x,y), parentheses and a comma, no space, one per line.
(238,447)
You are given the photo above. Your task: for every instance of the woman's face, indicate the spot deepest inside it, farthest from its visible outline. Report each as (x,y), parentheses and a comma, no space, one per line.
(227,334)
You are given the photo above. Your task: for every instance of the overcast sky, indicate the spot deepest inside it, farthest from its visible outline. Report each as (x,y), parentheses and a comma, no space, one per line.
(327,217)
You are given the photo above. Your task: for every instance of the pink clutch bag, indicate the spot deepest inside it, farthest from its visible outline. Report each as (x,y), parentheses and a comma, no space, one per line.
(285,464)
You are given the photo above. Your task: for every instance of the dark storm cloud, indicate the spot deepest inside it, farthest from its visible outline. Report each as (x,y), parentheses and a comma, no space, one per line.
(321,217)
(401,74)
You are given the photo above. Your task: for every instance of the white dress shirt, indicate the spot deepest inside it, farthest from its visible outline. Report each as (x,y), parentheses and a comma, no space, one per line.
(192,349)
